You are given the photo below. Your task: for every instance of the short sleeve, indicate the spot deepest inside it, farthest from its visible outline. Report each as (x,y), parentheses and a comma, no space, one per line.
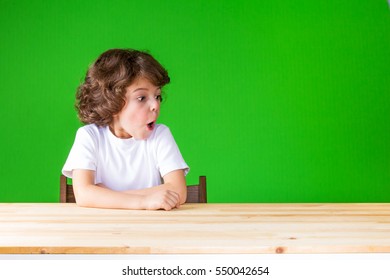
(83,154)
(168,154)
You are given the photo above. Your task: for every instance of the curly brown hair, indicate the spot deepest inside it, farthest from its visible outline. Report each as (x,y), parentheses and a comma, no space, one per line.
(102,94)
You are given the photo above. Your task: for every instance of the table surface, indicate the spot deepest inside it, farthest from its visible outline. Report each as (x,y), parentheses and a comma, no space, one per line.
(64,228)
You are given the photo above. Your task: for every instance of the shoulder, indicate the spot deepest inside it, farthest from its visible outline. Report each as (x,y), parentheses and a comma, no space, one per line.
(162,137)
(90,133)
(161,128)
(161,131)
(90,130)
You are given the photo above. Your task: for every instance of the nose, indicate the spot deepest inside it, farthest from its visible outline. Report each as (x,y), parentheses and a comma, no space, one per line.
(155,105)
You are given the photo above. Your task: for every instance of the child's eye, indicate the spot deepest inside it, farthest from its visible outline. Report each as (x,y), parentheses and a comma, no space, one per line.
(159,98)
(141,98)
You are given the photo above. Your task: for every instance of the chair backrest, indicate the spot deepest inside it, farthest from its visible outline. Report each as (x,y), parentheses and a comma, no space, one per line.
(66,191)
(195,193)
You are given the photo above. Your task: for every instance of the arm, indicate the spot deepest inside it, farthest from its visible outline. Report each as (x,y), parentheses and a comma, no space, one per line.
(173,181)
(160,197)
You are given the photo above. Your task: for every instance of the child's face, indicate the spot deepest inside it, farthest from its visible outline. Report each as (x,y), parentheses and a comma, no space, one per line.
(139,115)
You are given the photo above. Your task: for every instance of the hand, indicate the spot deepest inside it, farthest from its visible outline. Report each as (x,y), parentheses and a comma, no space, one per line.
(162,199)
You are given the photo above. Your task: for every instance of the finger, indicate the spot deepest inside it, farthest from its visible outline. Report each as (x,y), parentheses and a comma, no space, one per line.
(175,198)
(167,206)
(171,199)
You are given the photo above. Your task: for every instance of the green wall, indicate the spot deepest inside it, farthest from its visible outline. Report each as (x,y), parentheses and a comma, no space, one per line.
(275,101)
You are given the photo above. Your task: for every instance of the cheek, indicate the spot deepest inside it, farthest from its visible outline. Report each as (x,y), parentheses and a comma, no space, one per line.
(134,115)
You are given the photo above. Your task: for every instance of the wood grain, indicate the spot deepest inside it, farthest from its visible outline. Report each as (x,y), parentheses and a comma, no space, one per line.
(195,228)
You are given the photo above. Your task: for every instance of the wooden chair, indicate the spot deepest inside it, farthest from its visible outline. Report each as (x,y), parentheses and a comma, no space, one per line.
(195,193)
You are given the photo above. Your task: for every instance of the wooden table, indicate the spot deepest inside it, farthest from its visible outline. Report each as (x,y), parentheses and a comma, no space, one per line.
(195,228)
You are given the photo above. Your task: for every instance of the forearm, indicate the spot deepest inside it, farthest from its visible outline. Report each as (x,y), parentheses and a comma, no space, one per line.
(166,196)
(100,197)
(173,182)
(180,190)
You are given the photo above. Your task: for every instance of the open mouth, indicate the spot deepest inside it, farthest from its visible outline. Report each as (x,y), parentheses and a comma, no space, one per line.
(150,125)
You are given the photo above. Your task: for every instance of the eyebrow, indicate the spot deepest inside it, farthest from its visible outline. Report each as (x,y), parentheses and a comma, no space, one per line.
(140,89)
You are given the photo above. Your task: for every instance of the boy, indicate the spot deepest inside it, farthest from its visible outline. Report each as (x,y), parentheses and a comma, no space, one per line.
(120,156)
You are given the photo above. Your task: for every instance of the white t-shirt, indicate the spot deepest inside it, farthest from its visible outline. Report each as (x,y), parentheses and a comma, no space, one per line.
(124,164)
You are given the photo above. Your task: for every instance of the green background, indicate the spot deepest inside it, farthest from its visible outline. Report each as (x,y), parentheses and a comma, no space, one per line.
(275,101)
